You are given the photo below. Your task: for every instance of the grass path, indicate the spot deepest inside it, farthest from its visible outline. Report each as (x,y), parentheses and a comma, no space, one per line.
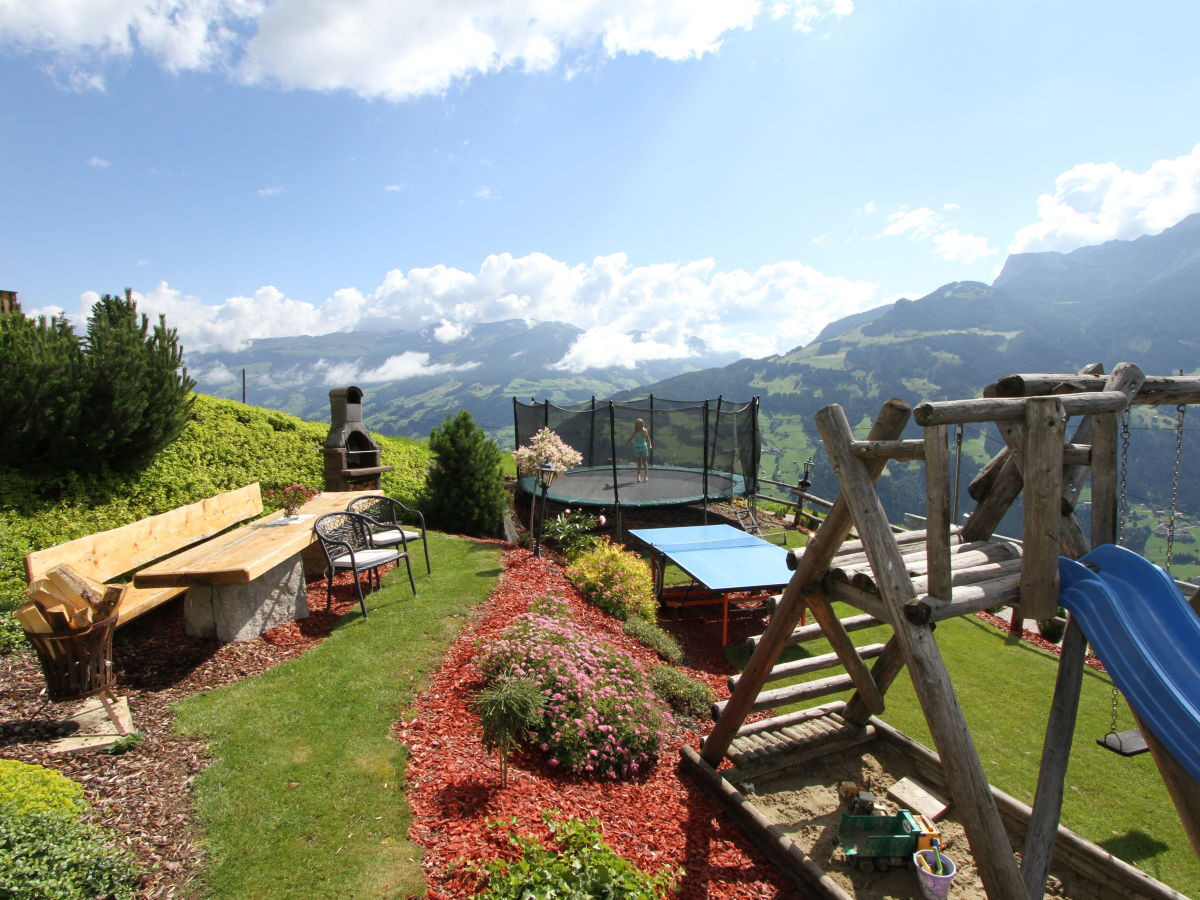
(304,796)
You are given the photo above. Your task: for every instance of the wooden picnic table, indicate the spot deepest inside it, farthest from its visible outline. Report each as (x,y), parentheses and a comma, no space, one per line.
(248,580)
(248,552)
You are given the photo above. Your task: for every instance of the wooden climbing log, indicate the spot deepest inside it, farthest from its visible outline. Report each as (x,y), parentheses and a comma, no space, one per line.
(798,667)
(904,451)
(1045,423)
(1001,559)
(1002,590)
(1155,390)
(963,556)
(792,694)
(937,510)
(855,548)
(1002,409)
(812,632)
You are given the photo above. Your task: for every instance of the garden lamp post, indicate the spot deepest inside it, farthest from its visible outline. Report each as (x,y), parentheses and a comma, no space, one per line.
(545,474)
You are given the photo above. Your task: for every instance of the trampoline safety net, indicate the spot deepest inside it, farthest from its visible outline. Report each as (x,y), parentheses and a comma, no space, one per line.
(712,443)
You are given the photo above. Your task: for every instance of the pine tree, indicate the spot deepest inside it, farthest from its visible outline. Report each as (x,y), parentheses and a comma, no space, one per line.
(140,394)
(466,487)
(112,400)
(41,393)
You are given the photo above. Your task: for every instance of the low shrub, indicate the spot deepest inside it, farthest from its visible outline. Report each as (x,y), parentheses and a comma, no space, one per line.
(48,856)
(26,788)
(616,580)
(572,532)
(582,865)
(681,692)
(600,717)
(45,850)
(654,637)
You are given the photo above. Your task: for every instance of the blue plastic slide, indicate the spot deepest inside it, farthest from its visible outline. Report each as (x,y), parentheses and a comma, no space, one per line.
(1148,638)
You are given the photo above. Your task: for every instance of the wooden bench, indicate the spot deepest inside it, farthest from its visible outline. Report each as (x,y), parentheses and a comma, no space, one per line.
(112,554)
(250,579)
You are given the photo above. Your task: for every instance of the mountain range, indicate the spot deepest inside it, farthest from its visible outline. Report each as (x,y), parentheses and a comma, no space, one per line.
(1132,301)
(413,379)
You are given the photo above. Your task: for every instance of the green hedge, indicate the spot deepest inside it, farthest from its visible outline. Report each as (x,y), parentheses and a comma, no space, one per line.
(225,445)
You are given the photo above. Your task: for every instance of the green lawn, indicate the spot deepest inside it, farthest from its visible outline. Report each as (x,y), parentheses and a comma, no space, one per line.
(1005,688)
(304,796)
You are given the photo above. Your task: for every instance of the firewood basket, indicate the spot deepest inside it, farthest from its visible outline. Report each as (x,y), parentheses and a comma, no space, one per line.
(78,664)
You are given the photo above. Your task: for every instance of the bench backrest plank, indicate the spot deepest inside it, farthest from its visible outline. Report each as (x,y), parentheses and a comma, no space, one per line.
(108,554)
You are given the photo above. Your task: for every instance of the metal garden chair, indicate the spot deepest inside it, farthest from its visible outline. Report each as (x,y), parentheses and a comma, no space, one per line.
(390,523)
(345,539)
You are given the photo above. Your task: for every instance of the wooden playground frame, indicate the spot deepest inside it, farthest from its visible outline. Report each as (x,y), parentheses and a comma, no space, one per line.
(912,580)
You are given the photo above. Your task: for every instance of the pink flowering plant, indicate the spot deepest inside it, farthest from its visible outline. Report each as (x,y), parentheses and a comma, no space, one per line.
(601,718)
(292,497)
(546,445)
(616,580)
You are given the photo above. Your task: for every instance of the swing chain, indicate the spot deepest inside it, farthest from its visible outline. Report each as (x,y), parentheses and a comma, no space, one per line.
(1179,411)
(1124,498)
(1112,724)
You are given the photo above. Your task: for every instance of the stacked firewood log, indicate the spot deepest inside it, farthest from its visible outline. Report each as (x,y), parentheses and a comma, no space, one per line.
(64,600)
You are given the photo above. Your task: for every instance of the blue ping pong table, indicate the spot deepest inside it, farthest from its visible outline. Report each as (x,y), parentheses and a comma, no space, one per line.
(720,558)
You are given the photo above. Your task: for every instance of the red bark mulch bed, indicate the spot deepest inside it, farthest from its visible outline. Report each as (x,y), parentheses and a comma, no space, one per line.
(660,820)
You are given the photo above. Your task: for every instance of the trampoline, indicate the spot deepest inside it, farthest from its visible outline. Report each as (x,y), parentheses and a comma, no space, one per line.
(668,486)
(702,450)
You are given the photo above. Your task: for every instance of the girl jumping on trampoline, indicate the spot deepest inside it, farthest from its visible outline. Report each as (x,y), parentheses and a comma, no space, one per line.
(642,445)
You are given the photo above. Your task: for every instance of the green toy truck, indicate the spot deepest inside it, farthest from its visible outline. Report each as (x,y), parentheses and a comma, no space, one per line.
(876,843)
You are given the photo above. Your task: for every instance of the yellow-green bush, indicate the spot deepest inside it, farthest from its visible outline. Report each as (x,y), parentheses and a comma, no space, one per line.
(26,788)
(616,580)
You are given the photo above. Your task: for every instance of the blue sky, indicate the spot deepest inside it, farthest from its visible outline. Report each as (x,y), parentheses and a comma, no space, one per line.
(651,170)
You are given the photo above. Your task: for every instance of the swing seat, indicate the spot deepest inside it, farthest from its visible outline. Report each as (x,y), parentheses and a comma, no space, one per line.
(1126,743)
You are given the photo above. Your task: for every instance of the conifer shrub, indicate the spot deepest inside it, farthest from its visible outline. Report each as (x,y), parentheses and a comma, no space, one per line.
(508,709)
(110,400)
(616,580)
(600,719)
(466,486)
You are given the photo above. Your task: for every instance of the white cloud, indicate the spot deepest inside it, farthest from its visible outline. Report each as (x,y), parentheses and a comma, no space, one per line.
(1097,202)
(916,223)
(98,162)
(233,323)
(178,34)
(214,374)
(393,188)
(485,193)
(954,246)
(270,191)
(609,346)
(380,48)
(448,332)
(628,313)
(950,244)
(395,368)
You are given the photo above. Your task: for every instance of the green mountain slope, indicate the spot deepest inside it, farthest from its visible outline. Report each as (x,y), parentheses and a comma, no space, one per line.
(1132,301)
